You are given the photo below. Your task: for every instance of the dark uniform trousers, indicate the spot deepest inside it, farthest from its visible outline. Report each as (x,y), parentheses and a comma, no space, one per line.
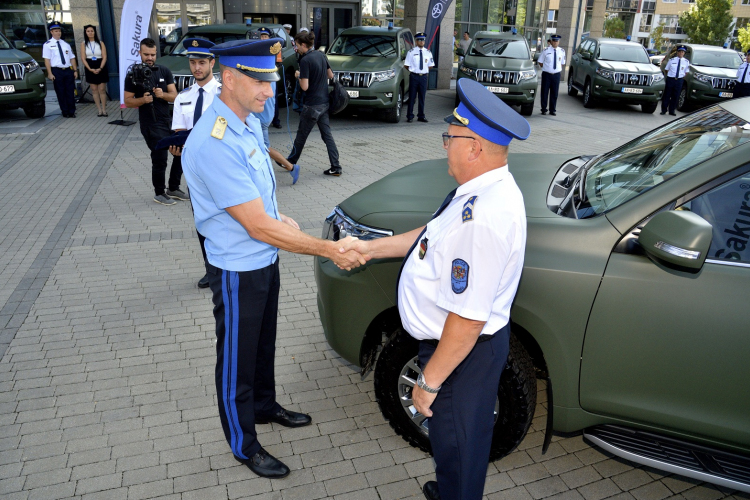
(671,94)
(245,309)
(741,90)
(417,87)
(550,87)
(65,83)
(153,132)
(463,417)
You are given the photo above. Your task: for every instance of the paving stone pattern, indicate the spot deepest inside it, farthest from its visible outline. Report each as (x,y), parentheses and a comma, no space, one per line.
(107,385)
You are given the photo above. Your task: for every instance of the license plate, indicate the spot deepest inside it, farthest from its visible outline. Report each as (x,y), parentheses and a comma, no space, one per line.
(631,90)
(7,89)
(498,90)
(353,93)
(726,94)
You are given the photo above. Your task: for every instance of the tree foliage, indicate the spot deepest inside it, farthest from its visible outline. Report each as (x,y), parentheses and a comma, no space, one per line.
(743,36)
(708,22)
(614,27)
(657,35)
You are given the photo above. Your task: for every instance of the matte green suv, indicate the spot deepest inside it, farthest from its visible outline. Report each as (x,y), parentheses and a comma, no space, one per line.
(22,81)
(501,62)
(710,77)
(608,69)
(369,63)
(177,62)
(630,305)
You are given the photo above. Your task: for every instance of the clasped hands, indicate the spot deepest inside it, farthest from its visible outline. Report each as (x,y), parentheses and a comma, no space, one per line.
(352,253)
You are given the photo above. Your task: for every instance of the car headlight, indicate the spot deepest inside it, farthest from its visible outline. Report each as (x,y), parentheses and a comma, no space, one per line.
(701,77)
(527,75)
(657,77)
(338,225)
(469,71)
(382,76)
(605,73)
(30,66)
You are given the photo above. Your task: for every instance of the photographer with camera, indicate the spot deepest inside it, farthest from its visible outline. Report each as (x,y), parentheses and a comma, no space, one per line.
(150,88)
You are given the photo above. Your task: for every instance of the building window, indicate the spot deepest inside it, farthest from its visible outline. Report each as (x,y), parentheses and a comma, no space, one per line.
(688,1)
(381,12)
(552,19)
(742,22)
(671,25)
(669,1)
(745,2)
(646,20)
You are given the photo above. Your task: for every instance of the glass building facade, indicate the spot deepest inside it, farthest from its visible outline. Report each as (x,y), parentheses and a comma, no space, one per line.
(527,16)
(27,20)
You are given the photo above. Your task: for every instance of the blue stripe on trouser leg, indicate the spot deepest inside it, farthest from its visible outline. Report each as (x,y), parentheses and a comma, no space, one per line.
(230,285)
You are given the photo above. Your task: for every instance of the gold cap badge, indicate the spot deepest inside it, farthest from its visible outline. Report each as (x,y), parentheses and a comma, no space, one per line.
(276,48)
(464,121)
(195,43)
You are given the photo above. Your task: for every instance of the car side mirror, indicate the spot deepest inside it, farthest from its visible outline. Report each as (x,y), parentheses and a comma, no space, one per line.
(460,51)
(677,237)
(586,55)
(165,50)
(20,44)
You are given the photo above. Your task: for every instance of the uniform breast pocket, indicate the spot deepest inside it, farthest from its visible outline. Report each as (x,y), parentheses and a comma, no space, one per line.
(256,161)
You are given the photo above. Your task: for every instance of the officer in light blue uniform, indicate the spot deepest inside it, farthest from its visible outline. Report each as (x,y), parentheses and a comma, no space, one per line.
(233,190)
(676,69)
(742,83)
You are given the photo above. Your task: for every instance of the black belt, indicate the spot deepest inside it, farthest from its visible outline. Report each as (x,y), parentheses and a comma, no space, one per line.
(482,338)
(418,74)
(67,67)
(673,78)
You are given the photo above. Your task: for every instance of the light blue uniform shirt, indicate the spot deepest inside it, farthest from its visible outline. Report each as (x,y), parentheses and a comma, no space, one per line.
(224,173)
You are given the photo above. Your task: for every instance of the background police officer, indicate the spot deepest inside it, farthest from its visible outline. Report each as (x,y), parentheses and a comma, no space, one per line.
(552,61)
(233,190)
(742,83)
(456,286)
(154,117)
(60,62)
(676,68)
(418,61)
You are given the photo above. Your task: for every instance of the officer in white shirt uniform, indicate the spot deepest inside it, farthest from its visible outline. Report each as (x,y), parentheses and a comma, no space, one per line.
(193,101)
(552,61)
(742,85)
(456,287)
(418,61)
(60,62)
(676,68)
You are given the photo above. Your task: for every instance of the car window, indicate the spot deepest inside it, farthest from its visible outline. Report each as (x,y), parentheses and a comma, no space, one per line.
(592,48)
(4,43)
(716,59)
(623,53)
(659,155)
(584,46)
(726,208)
(364,45)
(216,38)
(498,47)
(409,41)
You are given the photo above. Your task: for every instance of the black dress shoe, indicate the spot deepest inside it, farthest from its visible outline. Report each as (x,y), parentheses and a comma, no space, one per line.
(423,120)
(265,465)
(430,490)
(663,113)
(553,113)
(286,418)
(203,283)
(408,120)
(672,114)
(276,125)
(544,112)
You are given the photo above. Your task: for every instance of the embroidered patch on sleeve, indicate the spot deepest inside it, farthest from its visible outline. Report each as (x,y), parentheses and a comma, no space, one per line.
(459,276)
(467,213)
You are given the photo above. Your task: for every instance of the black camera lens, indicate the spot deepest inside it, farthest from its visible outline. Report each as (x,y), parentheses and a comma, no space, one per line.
(146,72)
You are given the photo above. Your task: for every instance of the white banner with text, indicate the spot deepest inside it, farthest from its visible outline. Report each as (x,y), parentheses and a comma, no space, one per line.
(133,28)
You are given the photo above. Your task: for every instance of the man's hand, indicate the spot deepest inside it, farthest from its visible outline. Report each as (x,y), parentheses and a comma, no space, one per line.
(347,259)
(360,246)
(148,98)
(296,74)
(422,400)
(175,150)
(51,77)
(158,92)
(289,221)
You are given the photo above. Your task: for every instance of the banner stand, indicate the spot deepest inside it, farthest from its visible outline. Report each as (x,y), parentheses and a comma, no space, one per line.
(122,121)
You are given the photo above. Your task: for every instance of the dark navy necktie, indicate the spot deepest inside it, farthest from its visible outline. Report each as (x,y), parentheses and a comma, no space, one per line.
(677,73)
(446,202)
(198,107)
(421,61)
(744,77)
(62,55)
(554,58)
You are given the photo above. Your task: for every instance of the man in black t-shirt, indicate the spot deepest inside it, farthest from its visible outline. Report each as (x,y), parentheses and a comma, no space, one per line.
(156,122)
(314,73)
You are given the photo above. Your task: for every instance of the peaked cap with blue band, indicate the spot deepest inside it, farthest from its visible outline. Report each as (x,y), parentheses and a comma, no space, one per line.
(420,36)
(55,26)
(682,48)
(197,48)
(486,115)
(555,38)
(254,58)
(264,31)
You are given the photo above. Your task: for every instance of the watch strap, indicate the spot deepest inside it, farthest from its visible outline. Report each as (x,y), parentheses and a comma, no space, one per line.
(423,385)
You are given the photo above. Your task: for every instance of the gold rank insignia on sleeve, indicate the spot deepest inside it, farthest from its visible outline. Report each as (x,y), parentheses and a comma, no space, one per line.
(275,48)
(220,126)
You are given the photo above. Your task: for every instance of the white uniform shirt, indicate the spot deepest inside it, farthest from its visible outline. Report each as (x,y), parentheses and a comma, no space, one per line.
(547,60)
(473,260)
(51,52)
(671,67)
(743,73)
(412,61)
(184,104)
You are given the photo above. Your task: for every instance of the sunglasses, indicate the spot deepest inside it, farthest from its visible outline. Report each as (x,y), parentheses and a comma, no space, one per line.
(447,138)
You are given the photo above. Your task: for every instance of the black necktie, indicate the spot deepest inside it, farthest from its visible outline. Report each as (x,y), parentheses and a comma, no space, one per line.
(446,202)
(421,61)
(744,77)
(677,73)
(62,55)
(554,58)
(198,107)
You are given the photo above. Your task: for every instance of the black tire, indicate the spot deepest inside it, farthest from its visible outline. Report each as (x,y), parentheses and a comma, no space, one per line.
(517,391)
(35,110)
(649,107)
(572,91)
(682,100)
(588,99)
(527,109)
(393,115)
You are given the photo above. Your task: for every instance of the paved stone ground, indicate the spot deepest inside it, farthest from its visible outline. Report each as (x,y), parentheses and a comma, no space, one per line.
(106,382)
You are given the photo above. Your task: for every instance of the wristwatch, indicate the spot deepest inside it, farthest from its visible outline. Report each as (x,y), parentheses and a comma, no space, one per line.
(423,385)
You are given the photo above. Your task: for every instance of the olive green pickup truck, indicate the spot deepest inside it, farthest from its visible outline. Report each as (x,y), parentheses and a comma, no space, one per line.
(22,81)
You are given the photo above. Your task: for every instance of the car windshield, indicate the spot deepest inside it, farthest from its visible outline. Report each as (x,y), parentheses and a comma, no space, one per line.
(496,47)
(217,38)
(364,45)
(623,53)
(656,157)
(4,43)
(716,58)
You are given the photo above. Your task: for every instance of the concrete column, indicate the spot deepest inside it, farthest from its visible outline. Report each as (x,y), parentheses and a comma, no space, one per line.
(597,18)
(568,18)
(415,12)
